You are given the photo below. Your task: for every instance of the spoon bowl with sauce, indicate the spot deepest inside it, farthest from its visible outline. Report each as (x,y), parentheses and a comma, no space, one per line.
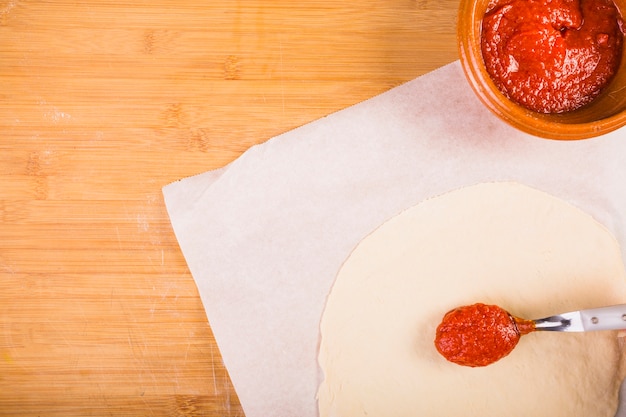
(480,334)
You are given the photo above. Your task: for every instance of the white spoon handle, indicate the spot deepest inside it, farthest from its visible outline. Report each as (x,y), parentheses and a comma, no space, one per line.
(604,318)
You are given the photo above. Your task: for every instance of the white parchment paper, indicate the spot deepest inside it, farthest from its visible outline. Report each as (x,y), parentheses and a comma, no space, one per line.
(265,236)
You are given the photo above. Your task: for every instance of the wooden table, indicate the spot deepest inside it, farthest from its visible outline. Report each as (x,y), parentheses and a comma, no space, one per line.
(102,103)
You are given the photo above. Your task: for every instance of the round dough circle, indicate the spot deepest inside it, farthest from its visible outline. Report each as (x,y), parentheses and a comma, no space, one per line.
(496,243)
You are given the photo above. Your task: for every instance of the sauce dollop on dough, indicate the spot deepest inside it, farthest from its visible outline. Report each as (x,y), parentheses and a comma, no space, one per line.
(479,334)
(552,56)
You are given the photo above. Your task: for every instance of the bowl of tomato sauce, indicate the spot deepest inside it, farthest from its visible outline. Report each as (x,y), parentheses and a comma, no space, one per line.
(552,68)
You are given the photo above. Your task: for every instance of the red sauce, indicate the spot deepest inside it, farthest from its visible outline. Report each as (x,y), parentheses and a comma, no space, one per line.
(552,56)
(479,334)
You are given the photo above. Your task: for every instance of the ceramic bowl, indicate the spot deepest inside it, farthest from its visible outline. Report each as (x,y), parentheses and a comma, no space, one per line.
(605,114)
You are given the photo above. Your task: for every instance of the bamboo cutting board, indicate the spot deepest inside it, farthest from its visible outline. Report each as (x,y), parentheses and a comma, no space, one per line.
(102,103)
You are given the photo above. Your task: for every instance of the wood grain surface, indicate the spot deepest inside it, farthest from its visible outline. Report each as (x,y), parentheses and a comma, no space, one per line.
(102,103)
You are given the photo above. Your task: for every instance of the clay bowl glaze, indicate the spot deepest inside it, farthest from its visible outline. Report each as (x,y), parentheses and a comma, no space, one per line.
(603,115)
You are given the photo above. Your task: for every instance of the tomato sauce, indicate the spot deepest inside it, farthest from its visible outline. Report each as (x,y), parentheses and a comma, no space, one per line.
(552,56)
(479,334)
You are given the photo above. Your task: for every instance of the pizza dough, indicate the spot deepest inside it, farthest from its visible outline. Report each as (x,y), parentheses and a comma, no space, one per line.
(496,243)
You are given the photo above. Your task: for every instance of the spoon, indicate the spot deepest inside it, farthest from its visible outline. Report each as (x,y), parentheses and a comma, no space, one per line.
(480,334)
(603,318)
